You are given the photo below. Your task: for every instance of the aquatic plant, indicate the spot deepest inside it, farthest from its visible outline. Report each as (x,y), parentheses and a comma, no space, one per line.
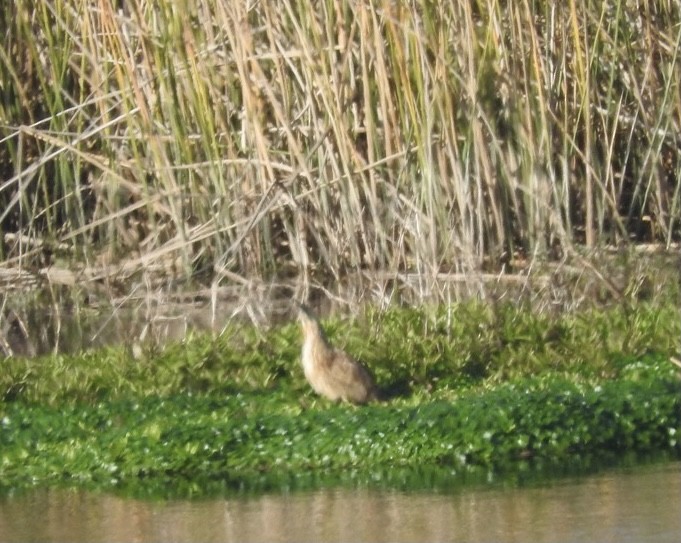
(248,436)
(412,351)
(487,389)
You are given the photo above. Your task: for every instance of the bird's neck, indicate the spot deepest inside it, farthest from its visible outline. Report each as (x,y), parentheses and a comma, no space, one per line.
(316,347)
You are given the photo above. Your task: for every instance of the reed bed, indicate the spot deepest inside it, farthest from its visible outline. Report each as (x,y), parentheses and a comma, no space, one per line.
(224,142)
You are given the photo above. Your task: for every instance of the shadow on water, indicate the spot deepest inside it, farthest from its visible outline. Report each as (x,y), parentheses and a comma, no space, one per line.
(613,504)
(428,479)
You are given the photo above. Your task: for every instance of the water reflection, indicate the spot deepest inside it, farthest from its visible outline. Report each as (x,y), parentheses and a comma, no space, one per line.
(634,504)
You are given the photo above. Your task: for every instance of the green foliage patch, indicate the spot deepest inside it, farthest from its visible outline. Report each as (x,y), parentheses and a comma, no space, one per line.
(485,389)
(414,353)
(242,437)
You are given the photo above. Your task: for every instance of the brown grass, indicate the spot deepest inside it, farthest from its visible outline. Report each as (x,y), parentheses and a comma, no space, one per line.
(224,142)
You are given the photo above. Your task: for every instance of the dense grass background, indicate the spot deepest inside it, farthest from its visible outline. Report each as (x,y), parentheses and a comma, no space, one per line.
(416,354)
(228,141)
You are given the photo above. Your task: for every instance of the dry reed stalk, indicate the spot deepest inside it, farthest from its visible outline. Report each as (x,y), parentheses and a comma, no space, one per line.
(266,140)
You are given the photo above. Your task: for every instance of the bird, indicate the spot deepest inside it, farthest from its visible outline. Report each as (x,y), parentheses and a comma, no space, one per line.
(332,373)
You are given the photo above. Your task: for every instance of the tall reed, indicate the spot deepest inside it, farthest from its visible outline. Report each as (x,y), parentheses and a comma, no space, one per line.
(233,139)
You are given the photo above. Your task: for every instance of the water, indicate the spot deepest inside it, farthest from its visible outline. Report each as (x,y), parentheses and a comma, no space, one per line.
(621,505)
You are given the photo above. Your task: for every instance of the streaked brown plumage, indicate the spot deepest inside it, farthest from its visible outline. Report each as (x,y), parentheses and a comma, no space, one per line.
(332,373)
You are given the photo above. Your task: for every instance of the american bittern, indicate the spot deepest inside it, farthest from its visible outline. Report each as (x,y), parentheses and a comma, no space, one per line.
(332,372)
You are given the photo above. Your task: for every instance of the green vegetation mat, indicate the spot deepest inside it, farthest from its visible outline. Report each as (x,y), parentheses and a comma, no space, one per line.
(235,409)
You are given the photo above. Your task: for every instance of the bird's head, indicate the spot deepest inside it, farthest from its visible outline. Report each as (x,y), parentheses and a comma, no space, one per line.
(309,322)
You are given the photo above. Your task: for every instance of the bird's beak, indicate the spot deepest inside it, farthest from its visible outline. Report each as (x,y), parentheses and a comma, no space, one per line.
(302,311)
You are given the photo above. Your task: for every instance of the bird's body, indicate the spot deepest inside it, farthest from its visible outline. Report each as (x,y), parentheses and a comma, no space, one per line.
(331,372)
